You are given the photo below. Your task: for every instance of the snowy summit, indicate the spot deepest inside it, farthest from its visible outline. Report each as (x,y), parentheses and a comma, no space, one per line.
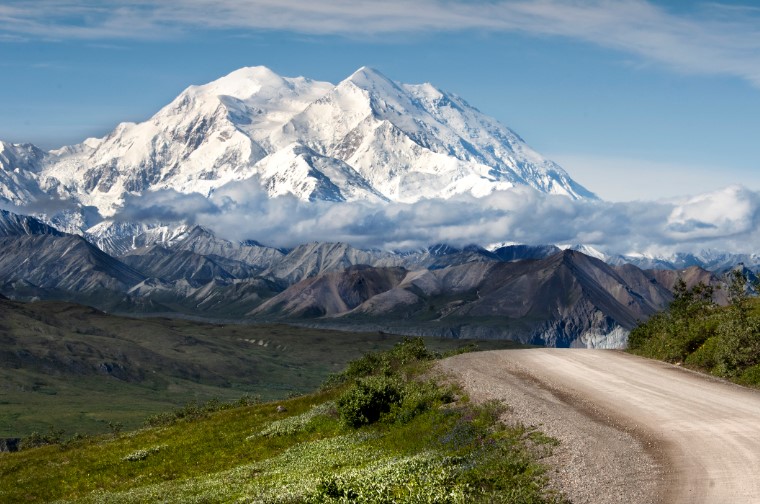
(366,138)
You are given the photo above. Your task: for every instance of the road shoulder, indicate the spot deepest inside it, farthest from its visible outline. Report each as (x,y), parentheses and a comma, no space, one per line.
(600,459)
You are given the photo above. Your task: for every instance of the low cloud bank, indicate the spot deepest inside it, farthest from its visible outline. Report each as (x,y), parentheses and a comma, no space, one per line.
(727,219)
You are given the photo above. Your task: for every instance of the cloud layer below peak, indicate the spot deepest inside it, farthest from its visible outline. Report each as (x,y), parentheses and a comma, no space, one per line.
(727,219)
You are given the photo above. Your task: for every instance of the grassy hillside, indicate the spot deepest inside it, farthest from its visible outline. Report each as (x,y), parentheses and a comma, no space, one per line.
(71,367)
(385,430)
(720,340)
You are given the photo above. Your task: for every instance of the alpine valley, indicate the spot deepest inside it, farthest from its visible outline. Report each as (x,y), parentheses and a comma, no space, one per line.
(72,233)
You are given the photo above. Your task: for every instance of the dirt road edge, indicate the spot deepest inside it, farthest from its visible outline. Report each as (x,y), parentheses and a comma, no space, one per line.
(601,459)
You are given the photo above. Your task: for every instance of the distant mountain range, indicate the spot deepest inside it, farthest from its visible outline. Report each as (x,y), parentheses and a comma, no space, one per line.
(540,295)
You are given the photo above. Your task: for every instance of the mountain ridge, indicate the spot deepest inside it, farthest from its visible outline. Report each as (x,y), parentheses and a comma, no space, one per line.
(566,299)
(365,139)
(539,295)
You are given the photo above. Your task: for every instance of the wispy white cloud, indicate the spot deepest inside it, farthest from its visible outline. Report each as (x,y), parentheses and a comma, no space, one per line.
(728,219)
(711,38)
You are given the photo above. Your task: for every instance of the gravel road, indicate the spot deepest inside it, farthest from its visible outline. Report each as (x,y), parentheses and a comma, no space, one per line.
(631,430)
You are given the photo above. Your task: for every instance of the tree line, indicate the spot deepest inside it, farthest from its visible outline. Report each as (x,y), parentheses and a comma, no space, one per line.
(698,333)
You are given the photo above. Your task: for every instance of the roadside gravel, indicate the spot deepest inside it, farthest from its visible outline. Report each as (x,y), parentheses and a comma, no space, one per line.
(632,430)
(598,461)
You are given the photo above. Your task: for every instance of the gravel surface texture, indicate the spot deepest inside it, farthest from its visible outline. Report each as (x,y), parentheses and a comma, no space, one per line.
(631,430)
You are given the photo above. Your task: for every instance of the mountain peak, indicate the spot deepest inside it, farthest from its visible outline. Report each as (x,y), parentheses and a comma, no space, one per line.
(258,73)
(370,79)
(367,72)
(243,82)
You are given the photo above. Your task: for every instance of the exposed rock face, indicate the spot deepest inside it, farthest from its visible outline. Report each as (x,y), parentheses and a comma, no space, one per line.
(332,293)
(12,224)
(9,444)
(63,264)
(37,259)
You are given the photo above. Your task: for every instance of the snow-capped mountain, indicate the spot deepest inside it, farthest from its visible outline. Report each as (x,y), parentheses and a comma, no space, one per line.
(585,249)
(119,238)
(208,136)
(711,260)
(366,138)
(20,165)
(416,141)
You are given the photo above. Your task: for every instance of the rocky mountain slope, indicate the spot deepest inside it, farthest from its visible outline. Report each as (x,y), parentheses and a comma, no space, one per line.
(39,261)
(12,224)
(567,299)
(533,294)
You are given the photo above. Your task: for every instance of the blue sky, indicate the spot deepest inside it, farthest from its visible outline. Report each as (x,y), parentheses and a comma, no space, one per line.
(636,99)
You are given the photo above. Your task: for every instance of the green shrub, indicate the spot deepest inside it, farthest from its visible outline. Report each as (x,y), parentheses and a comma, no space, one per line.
(739,347)
(385,384)
(722,340)
(705,356)
(419,397)
(651,338)
(751,376)
(115,428)
(364,366)
(385,363)
(368,399)
(410,350)
(36,439)
(679,331)
(331,488)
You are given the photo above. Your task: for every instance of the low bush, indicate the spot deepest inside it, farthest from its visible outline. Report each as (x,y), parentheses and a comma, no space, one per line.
(388,385)
(368,399)
(419,396)
(36,439)
(751,376)
(410,350)
(705,356)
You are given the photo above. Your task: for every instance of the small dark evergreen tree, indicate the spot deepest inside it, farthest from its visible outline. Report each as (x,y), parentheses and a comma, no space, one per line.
(675,333)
